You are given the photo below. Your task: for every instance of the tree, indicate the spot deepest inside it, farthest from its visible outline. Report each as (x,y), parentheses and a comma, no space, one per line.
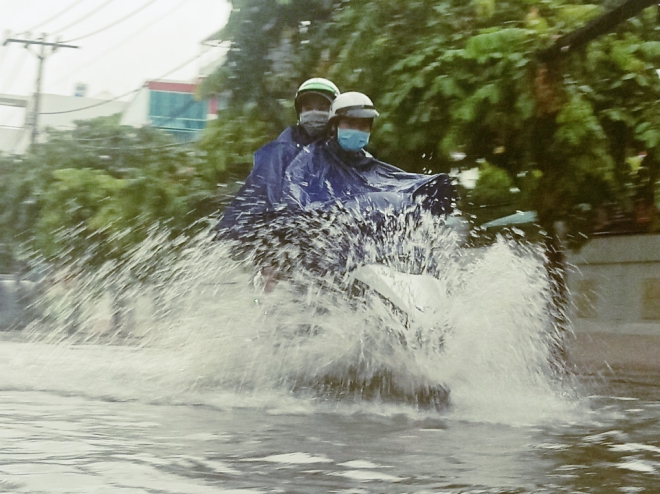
(493,195)
(17,210)
(103,181)
(96,194)
(468,76)
(270,52)
(229,141)
(474,77)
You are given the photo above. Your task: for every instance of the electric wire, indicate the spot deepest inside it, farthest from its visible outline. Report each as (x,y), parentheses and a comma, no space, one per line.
(3,56)
(127,16)
(125,94)
(124,41)
(104,102)
(182,109)
(176,114)
(52,18)
(86,16)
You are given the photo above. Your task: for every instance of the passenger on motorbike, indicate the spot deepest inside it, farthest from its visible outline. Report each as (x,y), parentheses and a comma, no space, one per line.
(338,195)
(339,170)
(327,175)
(255,202)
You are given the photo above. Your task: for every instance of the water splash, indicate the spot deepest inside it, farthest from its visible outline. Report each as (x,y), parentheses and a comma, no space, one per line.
(191,317)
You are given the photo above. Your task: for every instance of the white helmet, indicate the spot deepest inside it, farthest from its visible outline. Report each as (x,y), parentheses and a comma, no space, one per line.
(353,104)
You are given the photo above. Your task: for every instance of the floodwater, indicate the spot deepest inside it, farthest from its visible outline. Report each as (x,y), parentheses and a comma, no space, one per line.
(220,392)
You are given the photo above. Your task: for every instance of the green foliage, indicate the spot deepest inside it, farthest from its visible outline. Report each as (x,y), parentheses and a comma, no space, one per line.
(95,192)
(493,187)
(446,76)
(17,208)
(82,199)
(229,142)
(92,194)
(457,77)
(268,39)
(451,75)
(495,44)
(577,124)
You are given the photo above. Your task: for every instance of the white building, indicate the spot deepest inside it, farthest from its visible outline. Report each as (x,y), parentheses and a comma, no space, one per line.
(56,111)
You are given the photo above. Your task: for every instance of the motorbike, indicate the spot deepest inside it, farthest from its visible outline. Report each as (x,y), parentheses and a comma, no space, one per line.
(381,248)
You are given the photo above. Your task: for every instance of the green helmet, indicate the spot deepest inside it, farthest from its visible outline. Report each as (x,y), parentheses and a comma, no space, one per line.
(317,85)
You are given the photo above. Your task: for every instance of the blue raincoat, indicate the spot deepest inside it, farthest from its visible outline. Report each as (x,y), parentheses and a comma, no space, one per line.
(324,175)
(294,204)
(256,202)
(287,180)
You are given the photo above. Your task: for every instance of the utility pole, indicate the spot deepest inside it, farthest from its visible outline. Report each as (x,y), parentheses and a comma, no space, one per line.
(42,55)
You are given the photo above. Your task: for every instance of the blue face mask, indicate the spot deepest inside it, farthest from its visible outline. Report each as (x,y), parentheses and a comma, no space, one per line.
(352,139)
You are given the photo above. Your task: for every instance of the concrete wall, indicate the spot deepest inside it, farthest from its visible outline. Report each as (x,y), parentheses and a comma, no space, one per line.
(615,282)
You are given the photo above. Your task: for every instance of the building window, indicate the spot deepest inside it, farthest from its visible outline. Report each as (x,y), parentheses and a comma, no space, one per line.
(178,113)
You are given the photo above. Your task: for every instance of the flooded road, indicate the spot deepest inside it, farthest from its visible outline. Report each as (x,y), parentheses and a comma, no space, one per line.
(103,433)
(219,393)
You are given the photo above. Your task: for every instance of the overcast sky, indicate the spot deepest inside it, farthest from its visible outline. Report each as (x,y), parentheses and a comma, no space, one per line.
(137,40)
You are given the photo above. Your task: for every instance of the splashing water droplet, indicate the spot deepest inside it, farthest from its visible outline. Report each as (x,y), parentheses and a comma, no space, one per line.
(476,334)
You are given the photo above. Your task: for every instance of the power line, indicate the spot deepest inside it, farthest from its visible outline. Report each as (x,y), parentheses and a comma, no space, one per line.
(125,94)
(180,111)
(124,41)
(55,16)
(86,16)
(116,22)
(176,114)
(104,102)
(7,118)
(42,55)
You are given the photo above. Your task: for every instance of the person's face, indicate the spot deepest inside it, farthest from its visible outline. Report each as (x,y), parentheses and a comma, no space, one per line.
(314,102)
(363,124)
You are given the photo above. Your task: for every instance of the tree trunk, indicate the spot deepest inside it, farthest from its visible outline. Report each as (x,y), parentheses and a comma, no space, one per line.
(550,209)
(595,28)
(559,304)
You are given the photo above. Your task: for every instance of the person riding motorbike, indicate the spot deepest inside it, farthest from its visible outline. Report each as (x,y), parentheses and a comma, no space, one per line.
(338,169)
(330,173)
(255,202)
(338,196)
